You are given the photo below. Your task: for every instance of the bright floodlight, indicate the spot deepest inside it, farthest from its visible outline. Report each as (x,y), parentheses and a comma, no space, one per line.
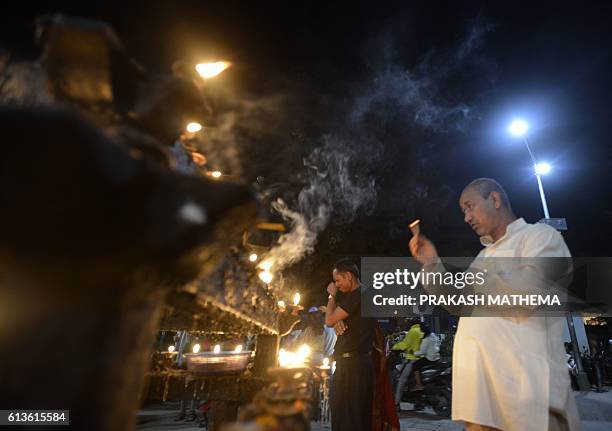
(518,127)
(542,168)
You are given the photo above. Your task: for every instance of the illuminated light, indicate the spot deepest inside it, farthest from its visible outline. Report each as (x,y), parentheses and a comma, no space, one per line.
(217,349)
(282,305)
(253,257)
(266,265)
(287,359)
(171,349)
(196,348)
(296,299)
(216,174)
(238,348)
(304,351)
(284,358)
(542,168)
(518,127)
(194,127)
(210,70)
(326,362)
(266,276)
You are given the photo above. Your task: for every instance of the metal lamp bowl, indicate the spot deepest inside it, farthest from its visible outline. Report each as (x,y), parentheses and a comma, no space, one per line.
(209,363)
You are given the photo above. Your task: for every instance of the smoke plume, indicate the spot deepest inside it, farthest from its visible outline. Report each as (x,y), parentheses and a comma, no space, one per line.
(336,181)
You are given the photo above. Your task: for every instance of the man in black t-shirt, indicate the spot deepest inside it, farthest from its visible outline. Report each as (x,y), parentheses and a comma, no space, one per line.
(352,383)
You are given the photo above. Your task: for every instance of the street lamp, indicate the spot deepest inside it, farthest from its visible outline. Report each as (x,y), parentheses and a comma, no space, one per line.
(542,168)
(519,129)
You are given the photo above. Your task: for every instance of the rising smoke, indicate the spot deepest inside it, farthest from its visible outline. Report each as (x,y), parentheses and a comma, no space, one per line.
(334,184)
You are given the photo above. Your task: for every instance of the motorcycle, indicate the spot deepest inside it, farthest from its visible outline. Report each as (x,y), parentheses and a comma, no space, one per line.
(437,387)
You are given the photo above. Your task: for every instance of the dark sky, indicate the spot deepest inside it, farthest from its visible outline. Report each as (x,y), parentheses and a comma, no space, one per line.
(548,62)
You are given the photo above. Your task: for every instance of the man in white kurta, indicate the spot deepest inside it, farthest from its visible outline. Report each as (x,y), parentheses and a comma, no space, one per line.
(508,373)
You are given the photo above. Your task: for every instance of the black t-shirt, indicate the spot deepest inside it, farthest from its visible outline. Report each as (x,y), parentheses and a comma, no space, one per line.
(359,335)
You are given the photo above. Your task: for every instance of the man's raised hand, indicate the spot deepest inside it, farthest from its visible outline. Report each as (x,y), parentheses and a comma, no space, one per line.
(423,250)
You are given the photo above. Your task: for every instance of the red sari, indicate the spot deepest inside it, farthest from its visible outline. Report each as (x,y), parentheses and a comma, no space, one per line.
(384,415)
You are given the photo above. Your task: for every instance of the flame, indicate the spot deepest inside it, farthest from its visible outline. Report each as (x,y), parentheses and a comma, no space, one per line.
(266,276)
(193,127)
(287,359)
(253,257)
(216,174)
(217,349)
(238,348)
(296,298)
(266,265)
(304,351)
(284,358)
(196,348)
(171,349)
(210,70)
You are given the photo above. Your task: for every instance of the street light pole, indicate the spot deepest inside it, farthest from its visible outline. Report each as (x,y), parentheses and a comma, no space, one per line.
(539,178)
(519,128)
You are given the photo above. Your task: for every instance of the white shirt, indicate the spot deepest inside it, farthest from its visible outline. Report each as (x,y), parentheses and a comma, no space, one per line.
(430,347)
(509,372)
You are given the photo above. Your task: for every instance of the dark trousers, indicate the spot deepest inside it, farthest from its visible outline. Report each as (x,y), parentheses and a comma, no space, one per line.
(351,394)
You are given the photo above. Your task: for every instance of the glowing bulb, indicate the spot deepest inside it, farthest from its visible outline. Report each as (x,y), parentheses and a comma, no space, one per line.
(217,349)
(296,299)
(194,127)
(266,276)
(253,257)
(542,168)
(326,362)
(210,70)
(304,351)
(238,348)
(171,349)
(196,348)
(216,174)
(518,127)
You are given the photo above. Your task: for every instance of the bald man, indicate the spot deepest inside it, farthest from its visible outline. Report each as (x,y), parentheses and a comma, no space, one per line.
(508,374)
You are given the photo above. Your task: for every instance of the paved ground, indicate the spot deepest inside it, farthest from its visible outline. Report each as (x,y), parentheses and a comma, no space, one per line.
(595,413)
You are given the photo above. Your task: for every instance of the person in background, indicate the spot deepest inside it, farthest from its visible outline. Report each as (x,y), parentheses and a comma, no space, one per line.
(317,335)
(430,352)
(410,344)
(329,336)
(184,341)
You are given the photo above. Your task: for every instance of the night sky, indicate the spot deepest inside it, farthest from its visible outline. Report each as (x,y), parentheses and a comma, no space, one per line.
(418,94)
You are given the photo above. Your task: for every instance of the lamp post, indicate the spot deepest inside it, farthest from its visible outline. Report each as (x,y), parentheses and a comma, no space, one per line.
(519,129)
